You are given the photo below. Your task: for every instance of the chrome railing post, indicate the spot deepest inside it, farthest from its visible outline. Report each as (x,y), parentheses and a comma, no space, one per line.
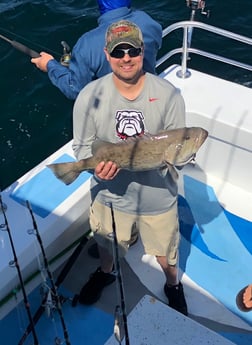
(186,49)
(184,73)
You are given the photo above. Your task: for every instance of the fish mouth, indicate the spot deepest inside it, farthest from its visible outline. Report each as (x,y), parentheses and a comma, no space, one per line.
(187,160)
(199,140)
(202,137)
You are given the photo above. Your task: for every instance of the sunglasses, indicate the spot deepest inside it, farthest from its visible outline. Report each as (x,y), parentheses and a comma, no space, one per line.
(120,53)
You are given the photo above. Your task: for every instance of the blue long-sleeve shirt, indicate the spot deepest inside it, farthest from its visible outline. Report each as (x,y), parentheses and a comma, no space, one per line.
(88,61)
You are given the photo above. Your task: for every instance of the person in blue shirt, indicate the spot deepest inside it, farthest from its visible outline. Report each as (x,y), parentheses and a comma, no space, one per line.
(88,60)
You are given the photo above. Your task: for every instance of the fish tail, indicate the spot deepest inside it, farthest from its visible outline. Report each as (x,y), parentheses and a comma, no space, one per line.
(64,171)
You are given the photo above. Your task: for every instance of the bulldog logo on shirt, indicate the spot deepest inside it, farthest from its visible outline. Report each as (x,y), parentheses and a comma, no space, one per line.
(129,123)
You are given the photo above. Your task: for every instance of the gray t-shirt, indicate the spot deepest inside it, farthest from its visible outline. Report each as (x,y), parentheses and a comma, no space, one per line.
(101,112)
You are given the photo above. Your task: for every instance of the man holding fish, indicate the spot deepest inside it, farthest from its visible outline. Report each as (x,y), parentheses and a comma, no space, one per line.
(123,107)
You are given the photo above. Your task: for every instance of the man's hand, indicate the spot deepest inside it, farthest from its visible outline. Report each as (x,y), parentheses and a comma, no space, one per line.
(42,61)
(106,171)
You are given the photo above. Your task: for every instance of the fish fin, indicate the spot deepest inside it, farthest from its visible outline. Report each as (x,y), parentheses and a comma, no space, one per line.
(146,135)
(64,171)
(131,140)
(163,171)
(168,168)
(173,172)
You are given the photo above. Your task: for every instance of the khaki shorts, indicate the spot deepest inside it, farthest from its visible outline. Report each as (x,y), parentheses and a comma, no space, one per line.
(159,233)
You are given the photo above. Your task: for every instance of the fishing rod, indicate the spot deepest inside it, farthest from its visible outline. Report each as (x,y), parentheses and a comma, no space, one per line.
(64,60)
(195,5)
(62,275)
(21,47)
(15,262)
(121,325)
(49,273)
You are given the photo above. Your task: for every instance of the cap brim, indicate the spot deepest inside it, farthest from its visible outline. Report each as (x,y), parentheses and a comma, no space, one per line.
(116,43)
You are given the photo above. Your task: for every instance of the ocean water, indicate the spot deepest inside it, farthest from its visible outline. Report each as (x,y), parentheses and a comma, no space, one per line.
(35,118)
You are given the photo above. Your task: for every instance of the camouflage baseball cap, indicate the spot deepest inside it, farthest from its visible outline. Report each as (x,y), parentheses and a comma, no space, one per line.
(121,32)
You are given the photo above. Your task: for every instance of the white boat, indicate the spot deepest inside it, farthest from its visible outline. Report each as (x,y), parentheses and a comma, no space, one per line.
(215,198)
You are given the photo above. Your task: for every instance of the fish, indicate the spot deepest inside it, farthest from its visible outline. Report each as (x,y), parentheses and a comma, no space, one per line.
(165,150)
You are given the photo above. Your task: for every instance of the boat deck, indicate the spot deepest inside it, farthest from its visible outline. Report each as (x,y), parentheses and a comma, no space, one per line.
(215,198)
(155,314)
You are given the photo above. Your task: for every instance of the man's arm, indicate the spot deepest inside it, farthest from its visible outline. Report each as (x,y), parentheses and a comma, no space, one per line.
(69,80)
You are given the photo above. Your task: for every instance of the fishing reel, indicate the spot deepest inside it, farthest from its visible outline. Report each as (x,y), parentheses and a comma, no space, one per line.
(66,57)
(198,5)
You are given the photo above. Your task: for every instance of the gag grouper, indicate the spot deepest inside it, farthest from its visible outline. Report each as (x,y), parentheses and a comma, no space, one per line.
(169,148)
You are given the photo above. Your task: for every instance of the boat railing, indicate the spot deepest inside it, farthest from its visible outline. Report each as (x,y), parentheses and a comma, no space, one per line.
(187,49)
